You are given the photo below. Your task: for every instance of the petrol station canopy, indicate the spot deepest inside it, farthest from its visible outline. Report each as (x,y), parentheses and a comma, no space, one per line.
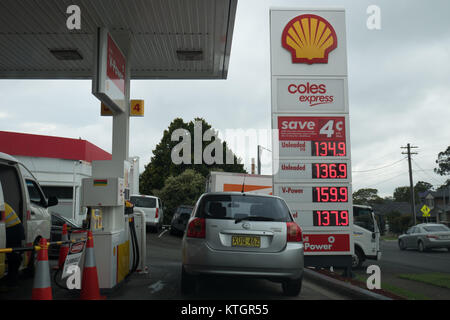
(170,39)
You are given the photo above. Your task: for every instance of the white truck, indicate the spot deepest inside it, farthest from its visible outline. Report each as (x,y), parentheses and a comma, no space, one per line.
(23,193)
(366,233)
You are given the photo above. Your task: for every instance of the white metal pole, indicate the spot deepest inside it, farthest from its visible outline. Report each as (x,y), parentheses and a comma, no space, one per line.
(73,191)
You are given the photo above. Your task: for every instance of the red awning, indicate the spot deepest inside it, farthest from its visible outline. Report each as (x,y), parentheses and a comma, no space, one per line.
(32,145)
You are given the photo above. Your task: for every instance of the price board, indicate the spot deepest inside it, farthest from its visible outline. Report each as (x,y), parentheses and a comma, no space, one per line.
(310,117)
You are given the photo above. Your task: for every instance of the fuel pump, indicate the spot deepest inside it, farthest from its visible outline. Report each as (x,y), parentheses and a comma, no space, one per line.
(107,195)
(119,247)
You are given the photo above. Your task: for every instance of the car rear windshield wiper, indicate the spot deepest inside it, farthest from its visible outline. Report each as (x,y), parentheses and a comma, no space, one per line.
(254,218)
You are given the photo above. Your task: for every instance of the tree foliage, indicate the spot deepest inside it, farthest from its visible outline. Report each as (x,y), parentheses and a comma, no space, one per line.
(443,162)
(398,223)
(161,166)
(403,194)
(183,189)
(366,196)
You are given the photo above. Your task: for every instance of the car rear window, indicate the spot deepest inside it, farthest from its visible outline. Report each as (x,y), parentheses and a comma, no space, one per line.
(242,206)
(184,210)
(436,228)
(143,202)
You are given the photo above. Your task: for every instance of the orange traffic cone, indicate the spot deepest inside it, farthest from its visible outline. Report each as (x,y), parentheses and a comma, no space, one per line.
(64,248)
(42,289)
(89,285)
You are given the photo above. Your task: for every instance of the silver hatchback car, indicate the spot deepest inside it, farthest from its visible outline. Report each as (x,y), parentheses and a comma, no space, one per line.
(425,236)
(242,234)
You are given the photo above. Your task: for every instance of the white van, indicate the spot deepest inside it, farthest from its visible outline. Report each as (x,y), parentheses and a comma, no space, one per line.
(153,209)
(24,194)
(366,236)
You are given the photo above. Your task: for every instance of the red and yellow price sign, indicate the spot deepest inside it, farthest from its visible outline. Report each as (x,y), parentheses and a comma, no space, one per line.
(136,109)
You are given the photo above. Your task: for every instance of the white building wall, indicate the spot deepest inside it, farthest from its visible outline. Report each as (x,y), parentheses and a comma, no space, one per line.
(69,173)
(61,172)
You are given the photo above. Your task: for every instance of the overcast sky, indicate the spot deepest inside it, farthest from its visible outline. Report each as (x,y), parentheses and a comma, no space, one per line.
(399,81)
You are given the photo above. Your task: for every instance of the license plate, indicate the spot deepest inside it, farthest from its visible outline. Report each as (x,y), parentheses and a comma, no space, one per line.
(246,241)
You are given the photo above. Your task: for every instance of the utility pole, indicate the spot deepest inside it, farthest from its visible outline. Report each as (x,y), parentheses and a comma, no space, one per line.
(413,200)
(259,161)
(259,157)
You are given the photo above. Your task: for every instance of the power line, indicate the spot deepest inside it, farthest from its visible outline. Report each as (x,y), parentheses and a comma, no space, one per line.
(386,166)
(383,181)
(425,172)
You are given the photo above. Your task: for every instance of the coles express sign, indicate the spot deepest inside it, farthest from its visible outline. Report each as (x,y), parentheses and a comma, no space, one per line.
(310,95)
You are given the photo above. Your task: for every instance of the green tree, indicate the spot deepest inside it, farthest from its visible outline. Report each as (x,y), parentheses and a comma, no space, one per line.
(161,166)
(445,185)
(398,223)
(443,162)
(183,189)
(366,196)
(403,194)
(423,186)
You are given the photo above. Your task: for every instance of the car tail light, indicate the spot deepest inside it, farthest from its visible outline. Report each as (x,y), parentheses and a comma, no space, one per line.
(156,213)
(294,232)
(196,228)
(2,215)
(430,236)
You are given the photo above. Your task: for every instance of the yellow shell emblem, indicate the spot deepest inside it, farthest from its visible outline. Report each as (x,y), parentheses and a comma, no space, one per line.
(309,38)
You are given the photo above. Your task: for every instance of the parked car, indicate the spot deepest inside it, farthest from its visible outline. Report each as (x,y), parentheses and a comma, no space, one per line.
(56,232)
(425,236)
(22,192)
(241,234)
(180,219)
(153,209)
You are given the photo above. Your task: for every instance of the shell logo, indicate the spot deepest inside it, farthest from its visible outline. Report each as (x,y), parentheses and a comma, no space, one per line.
(309,38)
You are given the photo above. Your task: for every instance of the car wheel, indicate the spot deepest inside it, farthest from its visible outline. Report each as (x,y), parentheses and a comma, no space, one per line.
(357,259)
(188,282)
(401,245)
(292,288)
(421,246)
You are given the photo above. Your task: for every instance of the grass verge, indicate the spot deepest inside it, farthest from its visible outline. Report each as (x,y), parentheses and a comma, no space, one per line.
(396,290)
(436,279)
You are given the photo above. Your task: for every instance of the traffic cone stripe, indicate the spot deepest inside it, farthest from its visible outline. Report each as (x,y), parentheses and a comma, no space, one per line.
(42,284)
(90,258)
(42,275)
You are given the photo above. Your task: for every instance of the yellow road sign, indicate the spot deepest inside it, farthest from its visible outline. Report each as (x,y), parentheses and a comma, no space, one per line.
(426,211)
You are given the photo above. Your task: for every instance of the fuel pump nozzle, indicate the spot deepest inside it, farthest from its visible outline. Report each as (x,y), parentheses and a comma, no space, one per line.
(129,207)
